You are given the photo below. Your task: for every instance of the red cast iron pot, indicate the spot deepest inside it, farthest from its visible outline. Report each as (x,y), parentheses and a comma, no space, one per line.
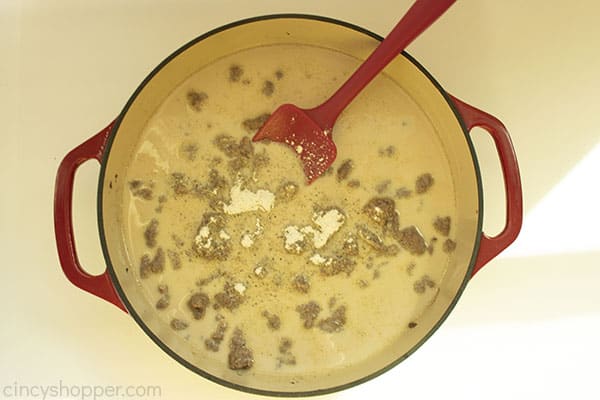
(112,146)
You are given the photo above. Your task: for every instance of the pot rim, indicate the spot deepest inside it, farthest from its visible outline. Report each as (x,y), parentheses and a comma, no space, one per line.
(131,310)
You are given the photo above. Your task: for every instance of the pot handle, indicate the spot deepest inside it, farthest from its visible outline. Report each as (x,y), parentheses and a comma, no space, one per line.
(100,285)
(490,247)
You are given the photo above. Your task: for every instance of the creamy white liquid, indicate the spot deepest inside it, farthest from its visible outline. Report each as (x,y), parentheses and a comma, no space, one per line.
(379,294)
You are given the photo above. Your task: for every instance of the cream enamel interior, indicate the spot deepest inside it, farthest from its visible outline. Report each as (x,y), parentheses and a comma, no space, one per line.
(324,35)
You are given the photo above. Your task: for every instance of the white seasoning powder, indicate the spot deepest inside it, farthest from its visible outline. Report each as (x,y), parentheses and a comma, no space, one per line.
(203,238)
(293,238)
(244,200)
(247,240)
(318,259)
(239,287)
(329,222)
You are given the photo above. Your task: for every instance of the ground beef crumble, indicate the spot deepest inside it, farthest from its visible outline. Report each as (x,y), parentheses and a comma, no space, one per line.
(164,300)
(174,258)
(387,151)
(442,225)
(212,242)
(375,242)
(268,88)
(196,99)
(336,265)
(214,342)
(423,183)
(240,356)
(198,304)
(235,73)
(422,284)
(151,232)
(350,246)
(178,324)
(287,191)
(309,313)
(139,189)
(449,246)
(152,265)
(344,170)
(354,183)
(402,193)
(335,322)
(285,355)
(382,211)
(301,283)
(190,151)
(412,240)
(383,186)
(273,320)
(253,124)
(229,298)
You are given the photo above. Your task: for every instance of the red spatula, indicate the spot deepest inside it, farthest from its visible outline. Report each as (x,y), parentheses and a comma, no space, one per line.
(308,132)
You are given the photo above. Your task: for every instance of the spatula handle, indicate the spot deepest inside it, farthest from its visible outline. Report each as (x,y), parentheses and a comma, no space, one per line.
(418,18)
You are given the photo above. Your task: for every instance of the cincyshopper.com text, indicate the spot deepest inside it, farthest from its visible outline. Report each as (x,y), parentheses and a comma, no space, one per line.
(61,390)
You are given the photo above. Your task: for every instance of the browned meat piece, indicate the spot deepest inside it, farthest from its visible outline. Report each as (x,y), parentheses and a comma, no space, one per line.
(285,355)
(253,124)
(350,246)
(354,183)
(213,343)
(335,322)
(235,73)
(273,320)
(382,211)
(198,303)
(227,144)
(309,313)
(174,258)
(178,324)
(301,283)
(387,151)
(442,225)
(212,242)
(268,88)
(344,170)
(422,284)
(196,99)
(190,151)
(411,239)
(151,232)
(449,246)
(287,191)
(336,265)
(240,356)
(164,300)
(154,265)
(229,298)
(403,193)
(373,240)
(423,183)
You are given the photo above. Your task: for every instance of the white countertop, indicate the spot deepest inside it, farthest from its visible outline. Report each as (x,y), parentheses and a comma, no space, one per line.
(527,325)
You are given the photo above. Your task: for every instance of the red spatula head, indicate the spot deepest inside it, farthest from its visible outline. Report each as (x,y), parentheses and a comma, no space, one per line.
(308,132)
(296,128)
